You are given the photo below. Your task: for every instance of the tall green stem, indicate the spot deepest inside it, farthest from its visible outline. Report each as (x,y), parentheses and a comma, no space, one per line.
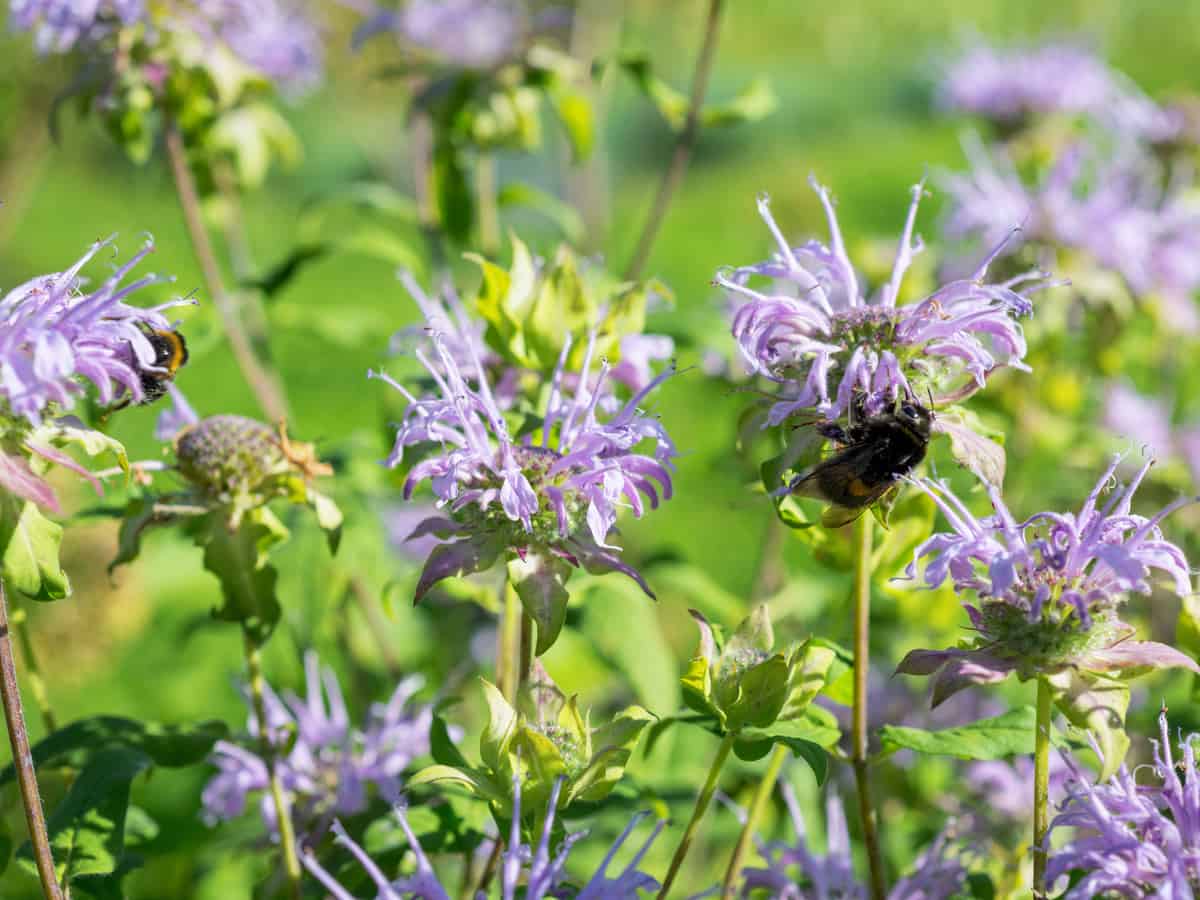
(858,735)
(758,806)
(266,386)
(283,816)
(683,144)
(508,665)
(489,211)
(31,798)
(702,802)
(1041,786)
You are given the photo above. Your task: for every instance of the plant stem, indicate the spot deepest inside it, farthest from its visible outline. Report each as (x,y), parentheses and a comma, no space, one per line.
(283,816)
(758,806)
(1041,786)
(31,800)
(683,145)
(420,142)
(508,665)
(858,737)
(265,384)
(33,671)
(237,245)
(526,648)
(702,802)
(489,212)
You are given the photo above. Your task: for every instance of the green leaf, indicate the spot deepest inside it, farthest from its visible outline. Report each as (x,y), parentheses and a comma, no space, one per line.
(670,103)
(971,444)
(539,581)
(170,746)
(70,432)
(238,560)
(497,737)
(528,196)
(753,103)
(476,783)
(442,747)
(754,745)
(996,738)
(810,667)
(329,517)
(574,112)
(753,633)
(87,830)
(30,544)
(696,685)
(139,515)
(1097,704)
(762,691)
(282,273)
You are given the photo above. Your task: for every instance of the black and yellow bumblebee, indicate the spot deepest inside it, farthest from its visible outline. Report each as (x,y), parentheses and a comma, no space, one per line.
(170,354)
(872,455)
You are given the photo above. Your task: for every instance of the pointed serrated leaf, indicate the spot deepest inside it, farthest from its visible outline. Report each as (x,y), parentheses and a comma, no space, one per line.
(30,545)
(540,582)
(1095,704)
(247,580)
(496,739)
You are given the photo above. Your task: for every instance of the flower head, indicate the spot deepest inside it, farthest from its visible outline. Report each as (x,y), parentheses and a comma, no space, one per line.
(331,764)
(819,327)
(1011,85)
(55,336)
(552,492)
(540,871)
(794,872)
(1111,210)
(1135,840)
(470,34)
(276,38)
(1049,588)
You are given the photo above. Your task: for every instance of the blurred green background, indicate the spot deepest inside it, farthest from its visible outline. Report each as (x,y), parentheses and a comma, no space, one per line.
(853,82)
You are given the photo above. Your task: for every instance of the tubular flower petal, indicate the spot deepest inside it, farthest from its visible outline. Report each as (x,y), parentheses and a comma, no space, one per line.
(55,335)
(823,340)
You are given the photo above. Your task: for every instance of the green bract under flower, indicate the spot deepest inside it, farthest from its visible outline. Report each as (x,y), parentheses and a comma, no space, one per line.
(745,682)
(547,739)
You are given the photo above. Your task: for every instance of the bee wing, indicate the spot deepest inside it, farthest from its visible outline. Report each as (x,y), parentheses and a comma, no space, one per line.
(837,516)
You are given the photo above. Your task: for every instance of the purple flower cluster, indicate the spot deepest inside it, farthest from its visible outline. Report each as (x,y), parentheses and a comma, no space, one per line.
(471,34)
(330,764)
(55,335)
(59,25)
(537,871)
(794,872)
(558,487)
(1009,85)
(817,326)
(1049,588)
(1134,840)
(1114,209)
(276,38)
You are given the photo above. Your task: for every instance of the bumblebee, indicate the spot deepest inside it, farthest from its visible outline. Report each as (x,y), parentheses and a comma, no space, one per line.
(170,353)
(873,454)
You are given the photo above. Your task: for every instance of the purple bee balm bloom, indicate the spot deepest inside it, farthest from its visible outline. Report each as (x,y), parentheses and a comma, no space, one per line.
(1010,85)
(277,38)
(331,764)
(794,872)
(818,325)
(1134,840)
(1001,788)
(556,489)
(55,336)
(1112,209)
(61,24)
(1146,419)
(536,870)
(1049,588)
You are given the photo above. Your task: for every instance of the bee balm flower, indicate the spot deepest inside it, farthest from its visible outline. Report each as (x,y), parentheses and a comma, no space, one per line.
(818,327)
